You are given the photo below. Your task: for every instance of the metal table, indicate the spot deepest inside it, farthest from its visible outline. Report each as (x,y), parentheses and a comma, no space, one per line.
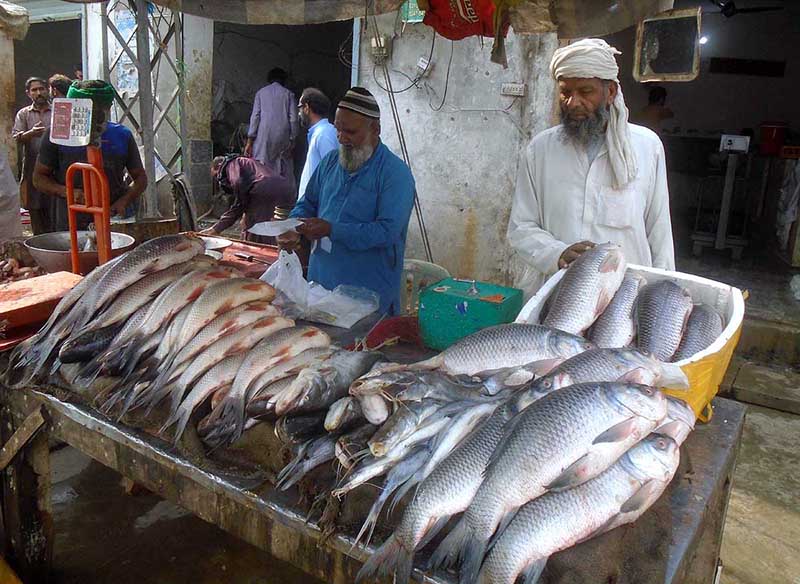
(271,520)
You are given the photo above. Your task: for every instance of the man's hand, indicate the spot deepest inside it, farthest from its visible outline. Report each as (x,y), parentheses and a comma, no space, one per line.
(289,241)
(77,195)
(36,131)
(573,252)
(209,232)
(314,228)
(118,207)
(248,148)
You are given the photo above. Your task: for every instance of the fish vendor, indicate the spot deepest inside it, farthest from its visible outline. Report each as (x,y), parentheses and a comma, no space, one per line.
(592,179)
(120,154)
(256,188)
(356,207)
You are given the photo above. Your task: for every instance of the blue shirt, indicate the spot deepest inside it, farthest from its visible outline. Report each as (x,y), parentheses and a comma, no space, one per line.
(368,212)
(321,140)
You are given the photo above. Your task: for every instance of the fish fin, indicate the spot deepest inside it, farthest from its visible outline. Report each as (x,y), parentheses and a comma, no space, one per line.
(610,263)
(392,556)
(618,432)
(642,498)
(448,553)
(472,555)
(435,362)
(401,492)
(533,571)
(572,476)
(603,300)
(637,375)
(433,531)
(672,376)
(501,528)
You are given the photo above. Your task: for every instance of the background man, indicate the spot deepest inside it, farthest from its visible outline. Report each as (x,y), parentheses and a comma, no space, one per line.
(257,190)
(656,111)
(59,85)
(594,178)
(314,108)
(273,125)
(10,225)
(120,153)
(356,207)
(29,126)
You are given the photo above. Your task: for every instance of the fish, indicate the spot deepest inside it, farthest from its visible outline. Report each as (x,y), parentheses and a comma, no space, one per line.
(320,385)
(662,311)
(679,421)
(625,365)
(616,326)
(557,521)
(294,429)
(586,289)
(267,353)
(352,447)
(566,438)
(217,377)
(375,409)
(703,328)
(343,414)
(261,406)
(406,385)
(89,344)
(311,454)
(498,347)
(291,367)
(401,424)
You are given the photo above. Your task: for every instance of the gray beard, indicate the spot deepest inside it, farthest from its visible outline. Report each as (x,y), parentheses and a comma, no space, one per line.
(587,131)
(352,158)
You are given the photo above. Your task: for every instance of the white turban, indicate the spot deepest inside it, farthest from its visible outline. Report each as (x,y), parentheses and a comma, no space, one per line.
(595,58)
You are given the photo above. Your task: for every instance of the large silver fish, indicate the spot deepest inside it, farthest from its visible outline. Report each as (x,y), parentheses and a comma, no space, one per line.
(557,521)
(564,439)
(587,288)
(625,365)
(703,328)
(662,310)
(505,345)
(616,327)
(679,421)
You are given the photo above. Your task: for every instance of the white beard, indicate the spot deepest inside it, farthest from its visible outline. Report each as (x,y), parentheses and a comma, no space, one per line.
(353,157)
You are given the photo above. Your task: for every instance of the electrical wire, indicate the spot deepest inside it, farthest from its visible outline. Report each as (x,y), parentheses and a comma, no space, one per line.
(415,81)
(446,81)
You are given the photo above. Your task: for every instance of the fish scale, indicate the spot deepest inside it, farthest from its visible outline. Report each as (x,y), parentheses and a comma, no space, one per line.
(616,327)
(557,521)
(661,314)
(553,444)
(703,328)
(586,289)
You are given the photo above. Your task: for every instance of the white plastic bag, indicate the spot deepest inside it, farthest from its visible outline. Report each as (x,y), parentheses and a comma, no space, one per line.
(286,276)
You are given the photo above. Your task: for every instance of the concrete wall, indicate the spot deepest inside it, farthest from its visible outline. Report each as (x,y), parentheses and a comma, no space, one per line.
(8,106)
(465,155)
(49,48)
(719,102)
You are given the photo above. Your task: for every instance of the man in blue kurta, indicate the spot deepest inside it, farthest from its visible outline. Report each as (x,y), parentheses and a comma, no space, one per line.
(356,207)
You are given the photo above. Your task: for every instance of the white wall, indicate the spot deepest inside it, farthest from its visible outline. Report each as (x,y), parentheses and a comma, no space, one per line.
(465,156)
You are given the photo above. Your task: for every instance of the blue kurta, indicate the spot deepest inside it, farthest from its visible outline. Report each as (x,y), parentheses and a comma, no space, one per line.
(368,212)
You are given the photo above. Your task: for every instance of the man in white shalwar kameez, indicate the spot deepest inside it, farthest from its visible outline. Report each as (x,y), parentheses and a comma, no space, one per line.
(594,178)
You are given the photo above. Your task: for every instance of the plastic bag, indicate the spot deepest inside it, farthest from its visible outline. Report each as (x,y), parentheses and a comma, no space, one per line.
(299,299)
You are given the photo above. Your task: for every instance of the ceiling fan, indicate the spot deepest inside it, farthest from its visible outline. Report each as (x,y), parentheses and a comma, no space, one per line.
(728,8)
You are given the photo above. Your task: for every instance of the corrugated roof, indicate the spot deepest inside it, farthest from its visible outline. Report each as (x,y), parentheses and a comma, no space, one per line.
(50,10)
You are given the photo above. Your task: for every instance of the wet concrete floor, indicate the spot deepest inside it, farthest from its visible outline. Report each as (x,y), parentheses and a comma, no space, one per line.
(105,535)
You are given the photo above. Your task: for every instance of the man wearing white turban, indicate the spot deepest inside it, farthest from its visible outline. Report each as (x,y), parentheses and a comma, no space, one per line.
(594,178)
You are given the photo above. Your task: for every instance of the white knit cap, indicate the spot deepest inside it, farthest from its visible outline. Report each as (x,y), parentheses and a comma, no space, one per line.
(589,58)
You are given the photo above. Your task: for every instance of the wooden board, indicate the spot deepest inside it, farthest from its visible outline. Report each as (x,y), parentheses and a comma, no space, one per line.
(31,301)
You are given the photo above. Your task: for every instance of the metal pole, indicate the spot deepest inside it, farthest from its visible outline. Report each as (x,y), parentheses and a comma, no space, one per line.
(727,198)
(104,35)
(148,207)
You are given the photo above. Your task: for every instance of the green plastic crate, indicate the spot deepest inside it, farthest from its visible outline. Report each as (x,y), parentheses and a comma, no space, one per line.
(452,309)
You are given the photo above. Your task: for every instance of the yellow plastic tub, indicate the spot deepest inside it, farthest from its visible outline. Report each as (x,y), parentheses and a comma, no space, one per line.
(706,369)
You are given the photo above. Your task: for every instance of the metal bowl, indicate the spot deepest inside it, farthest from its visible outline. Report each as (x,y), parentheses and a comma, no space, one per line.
(51,250)
(215,243)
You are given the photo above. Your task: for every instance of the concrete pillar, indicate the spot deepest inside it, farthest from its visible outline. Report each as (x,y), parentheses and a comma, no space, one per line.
(198,35)
(7,98)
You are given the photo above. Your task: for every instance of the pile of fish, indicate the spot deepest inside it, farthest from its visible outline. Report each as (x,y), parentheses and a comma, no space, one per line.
(536,436)
(165,325)
(597,297)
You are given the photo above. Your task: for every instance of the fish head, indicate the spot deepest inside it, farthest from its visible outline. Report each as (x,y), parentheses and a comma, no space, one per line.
(654,458)
(643,401)
(679,421)
(566,345)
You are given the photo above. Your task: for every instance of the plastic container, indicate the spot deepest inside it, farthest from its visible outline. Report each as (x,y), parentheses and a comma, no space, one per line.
(706,369)
(773,135)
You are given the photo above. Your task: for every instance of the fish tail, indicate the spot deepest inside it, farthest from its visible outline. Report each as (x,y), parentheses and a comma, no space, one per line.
(449,552)
(672,376)
(229,422)
(392,556)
